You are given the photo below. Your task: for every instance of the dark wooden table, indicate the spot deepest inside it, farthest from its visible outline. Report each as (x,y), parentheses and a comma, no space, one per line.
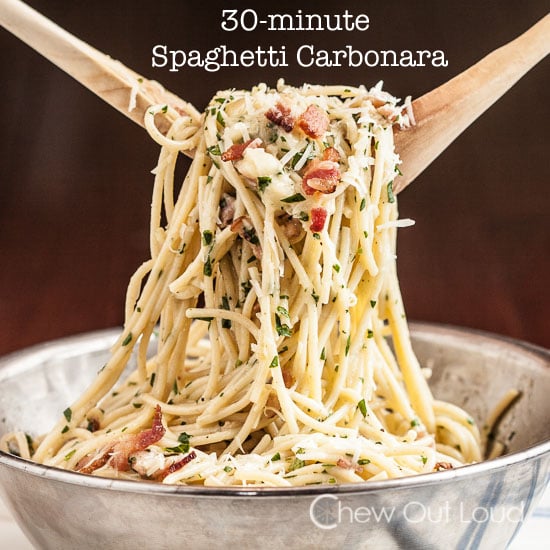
(75,183)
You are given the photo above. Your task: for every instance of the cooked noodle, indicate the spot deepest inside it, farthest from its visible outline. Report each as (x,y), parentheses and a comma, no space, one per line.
(281,349)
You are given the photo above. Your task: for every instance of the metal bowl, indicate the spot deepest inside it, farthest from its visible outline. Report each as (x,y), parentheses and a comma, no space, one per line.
(477,506)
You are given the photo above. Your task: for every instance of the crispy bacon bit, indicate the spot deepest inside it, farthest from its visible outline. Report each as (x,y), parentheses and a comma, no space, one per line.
(288,377)
(440,466)
(235,152)
(344,463)
(281,116)
(322,175)
(314,121)
(318,218)
(88,465)
(245,229)
(93,424)
(330,153)
(272,405)
(175,466)
(227,210)
(119,453)
(292,228)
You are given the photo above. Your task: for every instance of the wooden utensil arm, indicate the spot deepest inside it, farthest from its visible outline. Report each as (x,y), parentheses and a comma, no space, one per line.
(444,113)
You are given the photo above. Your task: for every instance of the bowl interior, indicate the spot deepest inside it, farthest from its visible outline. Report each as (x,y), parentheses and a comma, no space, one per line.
(470,369)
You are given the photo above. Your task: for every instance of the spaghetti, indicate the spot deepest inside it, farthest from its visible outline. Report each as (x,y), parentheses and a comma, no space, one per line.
(281,349)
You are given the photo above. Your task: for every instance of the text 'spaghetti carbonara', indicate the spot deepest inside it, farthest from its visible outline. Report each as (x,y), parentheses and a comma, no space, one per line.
(281,350)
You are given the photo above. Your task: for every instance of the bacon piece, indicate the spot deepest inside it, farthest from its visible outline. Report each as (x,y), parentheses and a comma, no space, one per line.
(440,466)
(322,175)
(318,218)
(227,210)
(281,116)
(330,153)
(245,229)
(119,452)
(235,152)
(292,228)
(87,465)
(344,463)
(314,121)
(175,466)
(288,377)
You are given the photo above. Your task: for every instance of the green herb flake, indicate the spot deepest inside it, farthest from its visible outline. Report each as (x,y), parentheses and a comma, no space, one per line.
(363,204)
(183,446)
(274,362)
(336,268)
(214,150)
(348,344)
(68,414)
(152,379)
(370,333)
(128,339)
(391,196)
(296,464)
(207,269)
(414,423)
(263,182)
(283,311)
(69,454)
(298,197)
(207,237)
(363,461)
(228,469)
(282,329)
(65,430)
(373,303)
(362,406)
(424,459)
(275,457)
(219,118)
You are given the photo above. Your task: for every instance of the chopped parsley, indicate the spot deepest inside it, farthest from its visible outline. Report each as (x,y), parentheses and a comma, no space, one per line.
(183,446)
(127,340)
(362,406)
(263,182)
(298,197)
(68,414)
(391,196)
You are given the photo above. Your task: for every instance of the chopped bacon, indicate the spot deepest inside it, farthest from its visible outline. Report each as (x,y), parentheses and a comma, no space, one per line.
(330,153)
(322,175)
(344,463)
(288,377)
(314,121)
(318,218)
(281,116)
(88,465)
(272,405)
(93,424)
(245,229)
(235,152)
(118,454)
(227,210)
(440,466)
(292,228)
(175,466)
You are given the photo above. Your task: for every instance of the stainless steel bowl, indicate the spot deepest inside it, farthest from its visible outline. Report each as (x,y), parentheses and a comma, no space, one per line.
(477,506)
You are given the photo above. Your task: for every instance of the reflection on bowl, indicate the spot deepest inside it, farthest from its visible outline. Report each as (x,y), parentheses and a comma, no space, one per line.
(477,506)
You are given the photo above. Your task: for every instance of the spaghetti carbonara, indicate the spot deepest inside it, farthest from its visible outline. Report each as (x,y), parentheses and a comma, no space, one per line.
(268,327)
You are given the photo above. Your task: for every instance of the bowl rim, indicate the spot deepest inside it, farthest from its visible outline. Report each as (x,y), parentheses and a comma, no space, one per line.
(468,471)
